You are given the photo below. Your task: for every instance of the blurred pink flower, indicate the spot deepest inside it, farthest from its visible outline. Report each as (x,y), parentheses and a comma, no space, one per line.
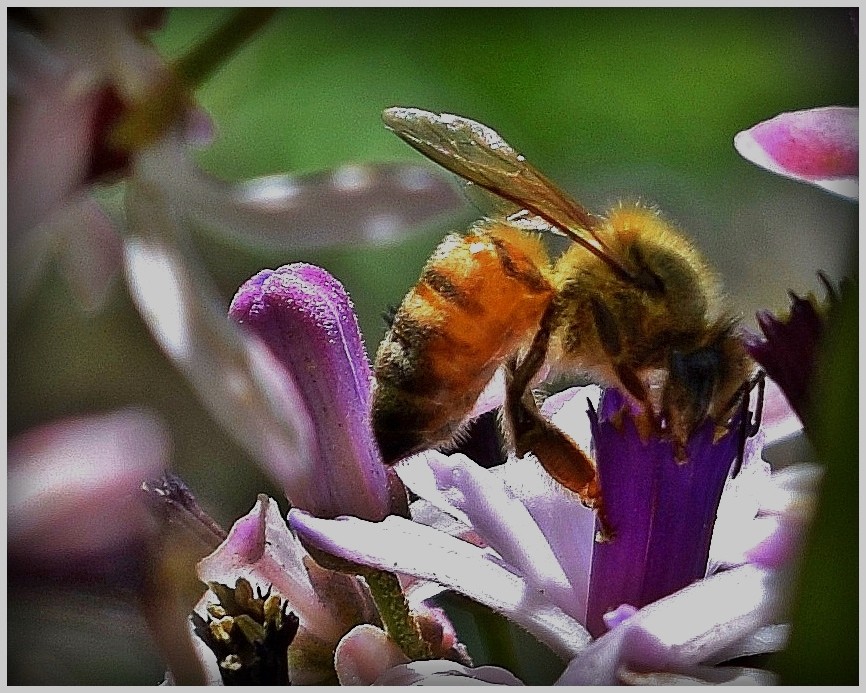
(74,489)
(72,73)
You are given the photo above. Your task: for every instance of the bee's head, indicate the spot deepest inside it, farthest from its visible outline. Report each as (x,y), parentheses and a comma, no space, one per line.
(689,391)
(703,382)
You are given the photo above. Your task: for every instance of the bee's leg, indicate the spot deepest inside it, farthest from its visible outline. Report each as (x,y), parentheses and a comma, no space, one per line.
(608,332)
(749,425)
(529,431)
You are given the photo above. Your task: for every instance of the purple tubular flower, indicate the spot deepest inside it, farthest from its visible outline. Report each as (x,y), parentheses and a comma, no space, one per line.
(306,319)
(661,511)
(818,146)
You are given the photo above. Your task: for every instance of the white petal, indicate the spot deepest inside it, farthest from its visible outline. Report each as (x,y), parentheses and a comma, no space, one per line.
(402,546)
(233,373)
(685,629)
(502,521)
(700,676)
(778,420)
(441,672)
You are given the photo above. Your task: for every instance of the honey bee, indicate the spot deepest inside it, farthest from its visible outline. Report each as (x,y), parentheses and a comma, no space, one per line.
(630,302)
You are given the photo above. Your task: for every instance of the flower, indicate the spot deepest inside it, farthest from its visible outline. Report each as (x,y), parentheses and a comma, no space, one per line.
(817,146)
(57,470)
(65,95)
(789,348)
(814,358)
(70,78)
(80,533)
(260,550)
(303,322)
(539,564)
(306,319)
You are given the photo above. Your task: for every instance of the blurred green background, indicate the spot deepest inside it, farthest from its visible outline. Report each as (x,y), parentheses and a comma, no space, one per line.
(612,104)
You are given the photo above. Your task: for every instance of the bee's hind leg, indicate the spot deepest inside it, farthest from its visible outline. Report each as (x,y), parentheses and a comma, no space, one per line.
(529,431)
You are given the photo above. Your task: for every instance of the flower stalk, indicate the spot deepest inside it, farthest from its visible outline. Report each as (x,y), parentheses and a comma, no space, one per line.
(399,622)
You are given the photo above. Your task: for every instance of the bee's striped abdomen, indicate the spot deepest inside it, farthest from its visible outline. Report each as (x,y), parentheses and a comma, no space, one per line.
(479,300)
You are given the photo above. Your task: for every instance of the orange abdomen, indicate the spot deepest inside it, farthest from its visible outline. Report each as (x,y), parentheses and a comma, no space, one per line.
(479,300)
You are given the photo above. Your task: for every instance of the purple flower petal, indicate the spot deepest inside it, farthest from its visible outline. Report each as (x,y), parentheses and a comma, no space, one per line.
(305,317)
(818,146)
(661,511)
(789,349)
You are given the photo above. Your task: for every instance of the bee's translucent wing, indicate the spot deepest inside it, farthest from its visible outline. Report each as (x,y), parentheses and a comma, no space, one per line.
(478,154)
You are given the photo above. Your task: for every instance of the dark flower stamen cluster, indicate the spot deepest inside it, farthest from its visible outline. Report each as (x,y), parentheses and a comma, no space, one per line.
(249,633)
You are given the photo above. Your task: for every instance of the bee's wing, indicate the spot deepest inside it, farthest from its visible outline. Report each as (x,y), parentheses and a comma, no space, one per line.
(478,154)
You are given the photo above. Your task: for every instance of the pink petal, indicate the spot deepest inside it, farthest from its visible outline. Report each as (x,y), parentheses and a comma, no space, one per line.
(73,485)
(818,146)
(261,549)
(364,654)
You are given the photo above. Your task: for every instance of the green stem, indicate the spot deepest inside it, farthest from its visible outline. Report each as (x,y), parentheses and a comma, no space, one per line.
(208,56)
(399,623)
